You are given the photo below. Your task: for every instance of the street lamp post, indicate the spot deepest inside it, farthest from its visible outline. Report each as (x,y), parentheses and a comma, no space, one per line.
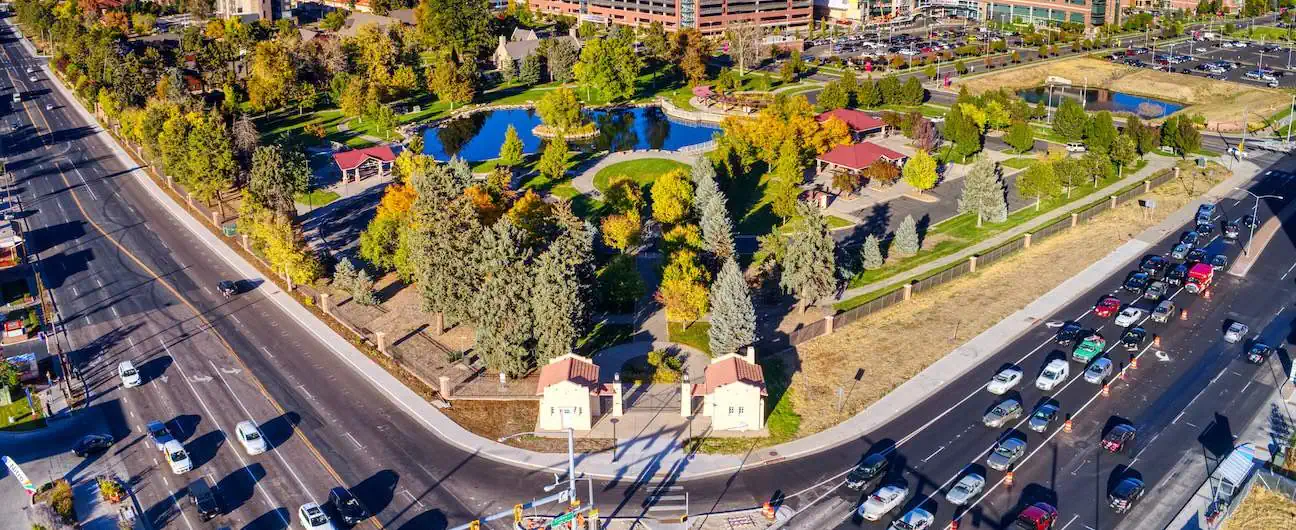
(571,459)
(1255,212)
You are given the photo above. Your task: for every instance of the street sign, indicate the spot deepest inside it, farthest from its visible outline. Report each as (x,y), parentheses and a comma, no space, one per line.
(562,519)
(17,472)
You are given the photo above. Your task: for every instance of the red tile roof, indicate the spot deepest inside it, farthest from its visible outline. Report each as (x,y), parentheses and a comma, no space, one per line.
(352,159)
(732,370)
(860,155)
(579,371)
(857,121)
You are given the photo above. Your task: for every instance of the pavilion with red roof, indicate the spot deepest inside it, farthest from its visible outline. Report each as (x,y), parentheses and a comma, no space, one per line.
(856,157)
(357,164)
(860,123)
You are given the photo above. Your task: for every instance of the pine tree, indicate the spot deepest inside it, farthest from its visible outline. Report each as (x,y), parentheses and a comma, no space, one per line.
(344,274)
(717,229)
(445,238)
(871,254)
(362,289)
(704,182)
(983,191)
(501,311)
(733,319)
(510,154)
(906,240)
(559,303)
(810,261)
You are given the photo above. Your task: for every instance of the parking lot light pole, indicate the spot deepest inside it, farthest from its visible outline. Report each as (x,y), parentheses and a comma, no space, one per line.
(1255,212)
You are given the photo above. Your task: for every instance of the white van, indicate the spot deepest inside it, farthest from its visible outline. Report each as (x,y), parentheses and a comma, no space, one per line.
(177,457)
(130,377)
(1075,147)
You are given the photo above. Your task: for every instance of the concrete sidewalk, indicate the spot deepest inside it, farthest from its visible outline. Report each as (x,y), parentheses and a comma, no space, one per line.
(645,463)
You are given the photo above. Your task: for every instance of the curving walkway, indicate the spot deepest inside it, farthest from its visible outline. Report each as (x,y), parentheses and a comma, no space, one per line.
(584,182)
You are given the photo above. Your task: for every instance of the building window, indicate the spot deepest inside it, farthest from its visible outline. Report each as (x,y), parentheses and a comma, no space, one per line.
(740,411)
(731,410)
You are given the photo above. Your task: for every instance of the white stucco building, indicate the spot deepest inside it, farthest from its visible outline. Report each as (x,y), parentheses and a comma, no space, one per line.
(733,395)
(569,389)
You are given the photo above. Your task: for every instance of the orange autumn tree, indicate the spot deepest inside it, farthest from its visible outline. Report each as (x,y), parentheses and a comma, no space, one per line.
(385,242)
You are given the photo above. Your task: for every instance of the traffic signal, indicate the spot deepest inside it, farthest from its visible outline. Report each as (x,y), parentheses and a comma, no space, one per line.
(517,514)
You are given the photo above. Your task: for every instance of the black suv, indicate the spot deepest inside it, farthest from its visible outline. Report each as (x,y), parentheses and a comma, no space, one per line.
(1154,265)
(868,473)
(1125,494)
(1231,230)
(349,510)
(204,499)
(1258,353)
(1069,332)
(1136,281)
(1189,238)
(1134,338)
(1175,276)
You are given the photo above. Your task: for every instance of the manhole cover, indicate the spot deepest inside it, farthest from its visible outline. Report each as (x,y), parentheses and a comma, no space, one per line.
(773,453)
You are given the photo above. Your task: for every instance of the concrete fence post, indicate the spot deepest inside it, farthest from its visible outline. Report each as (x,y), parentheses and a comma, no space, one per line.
(444,382)
(381,338)
(828,324)
(972,263)
(1075,219)
(1028,240)
(438,323)
(1113,200)
(170,182)
(216,220)
(324,304)
(908,291)
(1147,186)
(1176,170)
(190,198)
(247,244)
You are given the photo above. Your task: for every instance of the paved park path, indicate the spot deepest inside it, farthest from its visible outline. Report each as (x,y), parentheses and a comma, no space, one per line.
(344,127)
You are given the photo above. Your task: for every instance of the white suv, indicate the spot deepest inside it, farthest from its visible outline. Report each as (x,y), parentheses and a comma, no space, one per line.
(177,457)
(130,377)
(1075,147)
(1056,371)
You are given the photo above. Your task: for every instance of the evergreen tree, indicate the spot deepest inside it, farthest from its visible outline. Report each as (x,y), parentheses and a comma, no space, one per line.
(965,133)
(871,254)
(530,71)
(810,261)
(444,239)
(558,301)
(344,274)
(501,311)
(869,95)
(510,154)
(1070,120)
(704,182)
(913,93)
(709,205)
(1020,136)
(983,191)
(362,289)
(906,240)
(733,319)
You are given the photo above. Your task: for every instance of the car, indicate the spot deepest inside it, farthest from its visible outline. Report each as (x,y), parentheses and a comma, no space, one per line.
(1129,316)
(250,437)
(868,472)
(1196,255)
(1134,338)
(1038,516)
(1219,261)
(1206,212)
(1008,409)
(204,499)
(1107,307)
(1155,265)
(1098,371)
(177,457)
(1231,230)
(1120,438)
(1204,229)
(32,79)
(1075,147)
(1163,312)
(1258,353)
(1006,453)
(130,377)
(883,501)
(1189,238)
(1180,251)
(1004,381)
(1044,416)
(91,444)
(1156,290)
(1176,274)
(313,517)
(1136,281)
(159,433)
(1092,346)
(1249,221)
(1056,371)
(965,489)
(915,519)
(1068,333)
(1125,494)
(227,288)
(1235,332)
(31,70)
(347,507)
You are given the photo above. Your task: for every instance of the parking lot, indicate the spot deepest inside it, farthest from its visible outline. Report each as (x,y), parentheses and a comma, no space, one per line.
(912,41)
(1231,60)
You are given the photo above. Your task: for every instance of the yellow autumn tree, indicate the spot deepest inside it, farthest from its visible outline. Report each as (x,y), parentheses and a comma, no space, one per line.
(683,289)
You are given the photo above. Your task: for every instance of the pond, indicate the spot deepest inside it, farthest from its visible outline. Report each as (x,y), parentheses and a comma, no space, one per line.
(1097,99)
(478,137)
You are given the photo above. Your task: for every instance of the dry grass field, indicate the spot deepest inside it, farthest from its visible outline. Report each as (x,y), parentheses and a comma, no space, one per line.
(893,345)
(1263,509)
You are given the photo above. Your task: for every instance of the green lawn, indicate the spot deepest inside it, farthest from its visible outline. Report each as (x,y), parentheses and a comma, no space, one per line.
(317,198)
(1021,162)
(837,222)
(644,171)
(781,419)
(23,419)
(697,335)
(603,336)
(1265,33)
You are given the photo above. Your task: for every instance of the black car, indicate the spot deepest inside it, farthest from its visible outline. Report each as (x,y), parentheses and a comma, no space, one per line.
(1120,438)
(92,444)
(1231,230)
(1258,353)
(1136,281)
(1125,494)
(1068,333)
(1204,229)
(868,473)
(1189,238)
(1134,338)
(227,287)
(1195,255)
(1176,274)
(1249,221)
(349,510)
(204,499)
(1154,265)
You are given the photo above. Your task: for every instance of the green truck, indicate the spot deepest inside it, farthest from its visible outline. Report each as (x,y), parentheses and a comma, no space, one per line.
(1092,346)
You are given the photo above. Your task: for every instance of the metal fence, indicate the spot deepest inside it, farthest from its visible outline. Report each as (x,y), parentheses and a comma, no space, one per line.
(810,331)
(1001,252)
(1052,229)
(941,278)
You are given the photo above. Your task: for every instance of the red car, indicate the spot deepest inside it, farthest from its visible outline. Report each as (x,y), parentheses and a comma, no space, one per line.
(1038,516)
(1107,307)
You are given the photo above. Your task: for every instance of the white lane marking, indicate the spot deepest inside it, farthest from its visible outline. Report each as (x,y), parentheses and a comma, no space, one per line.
(929,457)
(1289,270)
(114,311)
(353,440)
(74,292)
(83,181)
(179,365)
(236,320)
(267,352)
(307,392)
(1073,519)
(1245,387)
(248,415)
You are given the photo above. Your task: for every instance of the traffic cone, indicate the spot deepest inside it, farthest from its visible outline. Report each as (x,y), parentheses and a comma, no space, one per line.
(1206,294)
(768,511)
(1134,362)
(954,524)
(1008,479)
(1106,391)
(1183,314)
(1156,340)
(1066,426)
